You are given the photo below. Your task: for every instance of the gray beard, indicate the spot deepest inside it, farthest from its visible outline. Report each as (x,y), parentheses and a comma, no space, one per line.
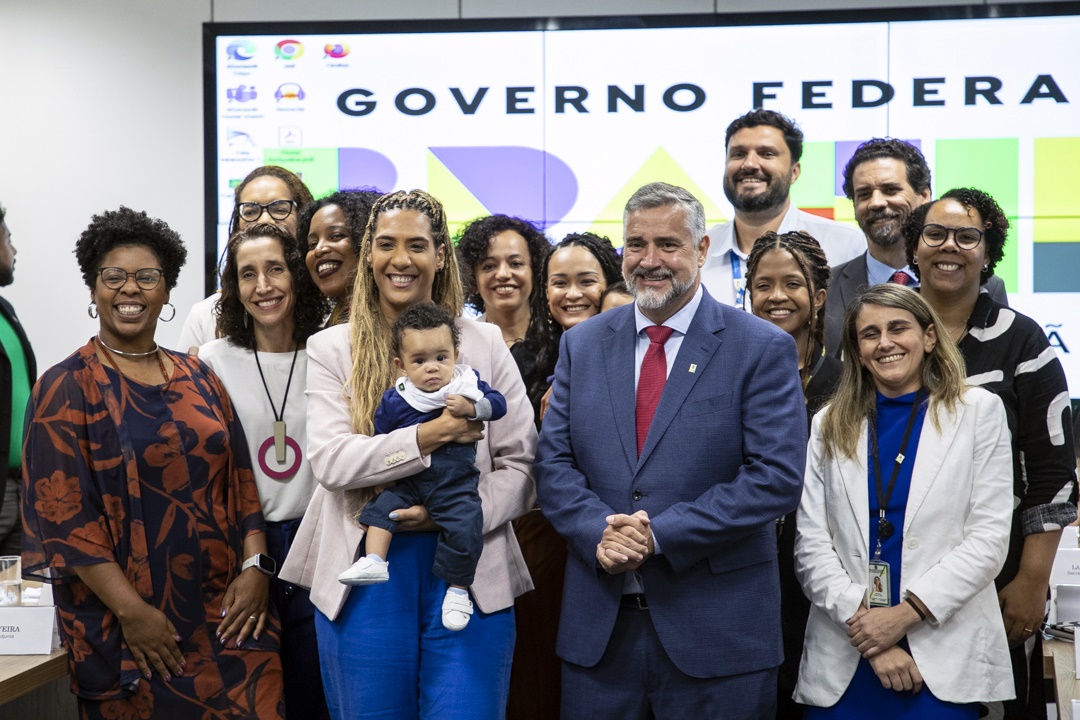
(650,299)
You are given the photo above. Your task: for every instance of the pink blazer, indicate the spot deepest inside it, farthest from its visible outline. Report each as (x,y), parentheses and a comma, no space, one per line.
(328,540)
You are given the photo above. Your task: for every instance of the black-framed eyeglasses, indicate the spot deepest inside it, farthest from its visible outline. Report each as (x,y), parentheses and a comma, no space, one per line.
(114,278)
(966,237)
(278,209)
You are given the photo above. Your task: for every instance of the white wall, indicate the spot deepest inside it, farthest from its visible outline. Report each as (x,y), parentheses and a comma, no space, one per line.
(96,92)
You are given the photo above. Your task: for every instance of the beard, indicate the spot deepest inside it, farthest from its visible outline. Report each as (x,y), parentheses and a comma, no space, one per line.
(887,234)
(651,298)
(775,194)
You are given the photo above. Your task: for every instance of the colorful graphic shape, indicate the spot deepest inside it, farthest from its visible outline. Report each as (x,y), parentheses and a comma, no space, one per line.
(992,165)
(317,167)
(514,180)
(659,167)
(336,50)
(461,205)
(813,190)
(289,49)
(360,167)
(1056,251)
(240,50)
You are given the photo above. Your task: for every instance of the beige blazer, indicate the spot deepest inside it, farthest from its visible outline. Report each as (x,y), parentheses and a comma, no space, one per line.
(328,540)
(956,533)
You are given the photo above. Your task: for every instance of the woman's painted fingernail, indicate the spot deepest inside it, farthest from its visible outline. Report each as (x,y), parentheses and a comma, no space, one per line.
(147,674)
(256,636)
(168,678)
(393,516)
(183,663)
(222,612)
(239,642)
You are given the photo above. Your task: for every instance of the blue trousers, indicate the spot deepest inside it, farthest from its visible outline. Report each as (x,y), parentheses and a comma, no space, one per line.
(387,656)
(304,696)
(448,490)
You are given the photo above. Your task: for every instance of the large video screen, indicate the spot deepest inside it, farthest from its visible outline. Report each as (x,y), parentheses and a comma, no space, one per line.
(561,125)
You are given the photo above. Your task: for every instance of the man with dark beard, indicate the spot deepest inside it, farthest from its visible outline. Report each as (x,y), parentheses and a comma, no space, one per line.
(17,374)
(886,179)
(763,149)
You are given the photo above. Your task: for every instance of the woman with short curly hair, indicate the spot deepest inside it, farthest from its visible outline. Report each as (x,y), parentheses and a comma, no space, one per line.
(140,506)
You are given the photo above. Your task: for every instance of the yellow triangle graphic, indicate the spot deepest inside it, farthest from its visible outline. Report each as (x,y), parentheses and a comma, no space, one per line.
(462,207)
(660,167)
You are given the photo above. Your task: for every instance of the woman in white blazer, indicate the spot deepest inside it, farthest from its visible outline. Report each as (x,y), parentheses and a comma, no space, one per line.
(930,641)
(383,648)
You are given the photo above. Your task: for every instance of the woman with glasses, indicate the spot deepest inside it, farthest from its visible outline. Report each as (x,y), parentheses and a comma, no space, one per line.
(140,506)
(269,307)
(329,234)
(953,244)
(269,194)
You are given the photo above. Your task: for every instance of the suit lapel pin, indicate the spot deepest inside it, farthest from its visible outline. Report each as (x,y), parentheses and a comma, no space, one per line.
(693,367)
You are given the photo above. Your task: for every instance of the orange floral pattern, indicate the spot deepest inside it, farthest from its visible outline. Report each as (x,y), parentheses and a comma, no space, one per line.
(156,479)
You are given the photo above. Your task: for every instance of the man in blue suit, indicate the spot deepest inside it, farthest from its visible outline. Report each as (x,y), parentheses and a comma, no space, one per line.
(666,456)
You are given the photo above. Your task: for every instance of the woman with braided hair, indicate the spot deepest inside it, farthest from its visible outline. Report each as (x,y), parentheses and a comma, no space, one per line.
(788,278)
(383,648)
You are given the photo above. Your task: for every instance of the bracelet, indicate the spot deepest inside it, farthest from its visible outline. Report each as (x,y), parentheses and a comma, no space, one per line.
(420,445)
(912,603)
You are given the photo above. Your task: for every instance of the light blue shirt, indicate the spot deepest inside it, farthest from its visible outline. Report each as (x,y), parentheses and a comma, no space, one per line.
(878,273)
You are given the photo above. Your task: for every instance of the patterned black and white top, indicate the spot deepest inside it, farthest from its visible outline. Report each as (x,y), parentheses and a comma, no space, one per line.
(1008,354)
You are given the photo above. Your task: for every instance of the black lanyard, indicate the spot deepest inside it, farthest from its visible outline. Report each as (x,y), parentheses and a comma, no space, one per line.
(279,420)
(885,528)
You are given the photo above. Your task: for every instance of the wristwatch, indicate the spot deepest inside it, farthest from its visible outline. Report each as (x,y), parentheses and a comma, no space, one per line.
(263,563)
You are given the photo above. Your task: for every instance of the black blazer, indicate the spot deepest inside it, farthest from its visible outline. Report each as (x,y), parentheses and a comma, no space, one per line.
(848,280)
(5,381)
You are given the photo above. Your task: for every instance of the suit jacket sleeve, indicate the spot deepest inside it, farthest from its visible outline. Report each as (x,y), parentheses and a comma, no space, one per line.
(769,482)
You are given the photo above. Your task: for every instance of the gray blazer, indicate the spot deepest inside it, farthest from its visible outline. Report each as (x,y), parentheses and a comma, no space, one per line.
(849,279)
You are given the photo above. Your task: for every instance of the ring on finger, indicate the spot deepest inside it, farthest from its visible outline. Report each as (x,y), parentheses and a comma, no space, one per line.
(253,617)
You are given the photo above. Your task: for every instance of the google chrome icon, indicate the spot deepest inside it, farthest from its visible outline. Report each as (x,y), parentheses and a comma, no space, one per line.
(289,49)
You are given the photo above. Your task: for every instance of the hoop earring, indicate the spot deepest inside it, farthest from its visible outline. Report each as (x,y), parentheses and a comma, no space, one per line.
(914,260)
(91,310)
(171,316)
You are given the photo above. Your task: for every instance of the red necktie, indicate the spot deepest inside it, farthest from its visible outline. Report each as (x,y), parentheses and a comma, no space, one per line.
(900,278)
(651,380)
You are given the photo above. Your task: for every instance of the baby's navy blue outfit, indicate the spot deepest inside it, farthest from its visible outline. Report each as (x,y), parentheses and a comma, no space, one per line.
(447,488)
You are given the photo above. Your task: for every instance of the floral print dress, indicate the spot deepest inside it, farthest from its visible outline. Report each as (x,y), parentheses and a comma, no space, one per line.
(157,479)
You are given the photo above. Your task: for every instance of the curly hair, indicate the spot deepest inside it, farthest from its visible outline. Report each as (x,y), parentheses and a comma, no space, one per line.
(3,213)
(309,305)
(995,227)
(472,248)
(793,136)
(355,204)
(918,172)
(542,337)
(129,228)
(301,196)
(423,316)
(808,255)
(942,374)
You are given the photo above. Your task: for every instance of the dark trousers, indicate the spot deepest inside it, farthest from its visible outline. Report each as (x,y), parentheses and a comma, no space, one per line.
(304,696)
(10,513)
(448,490)
(636,680)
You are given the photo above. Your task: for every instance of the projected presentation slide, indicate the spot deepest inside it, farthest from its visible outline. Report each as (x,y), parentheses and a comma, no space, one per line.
(561,126)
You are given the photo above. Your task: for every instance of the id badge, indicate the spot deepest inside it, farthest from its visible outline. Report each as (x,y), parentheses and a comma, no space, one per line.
(879,584)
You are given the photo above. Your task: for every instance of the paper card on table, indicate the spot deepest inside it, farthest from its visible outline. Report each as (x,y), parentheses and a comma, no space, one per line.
(1065,571)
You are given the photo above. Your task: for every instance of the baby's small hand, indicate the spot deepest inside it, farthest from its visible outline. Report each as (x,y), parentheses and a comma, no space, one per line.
(460,406)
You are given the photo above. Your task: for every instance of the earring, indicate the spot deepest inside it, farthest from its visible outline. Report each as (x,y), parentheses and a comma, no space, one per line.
(245,320)
(914,260)
(91,310)
(171,316)
(986,267)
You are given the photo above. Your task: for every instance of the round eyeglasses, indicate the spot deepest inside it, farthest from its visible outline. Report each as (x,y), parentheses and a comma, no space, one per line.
(966,238)
(115,278)
(278,209)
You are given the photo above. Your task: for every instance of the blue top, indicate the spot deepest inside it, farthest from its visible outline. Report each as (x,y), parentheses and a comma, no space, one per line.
(395,412)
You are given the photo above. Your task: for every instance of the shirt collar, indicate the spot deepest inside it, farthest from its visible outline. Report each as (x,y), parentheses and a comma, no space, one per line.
(679,322)
(878,273)
(725,240)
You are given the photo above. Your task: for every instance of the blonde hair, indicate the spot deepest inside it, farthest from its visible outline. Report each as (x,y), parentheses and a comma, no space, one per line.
(370,333)
(943,373)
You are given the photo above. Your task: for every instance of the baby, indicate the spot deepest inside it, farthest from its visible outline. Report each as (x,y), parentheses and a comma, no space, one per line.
(425,350)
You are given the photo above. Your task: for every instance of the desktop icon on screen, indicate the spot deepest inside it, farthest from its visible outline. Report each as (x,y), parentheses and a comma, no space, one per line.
(289,49)
(241,93)
(289,91)
(336,50)
(241,50)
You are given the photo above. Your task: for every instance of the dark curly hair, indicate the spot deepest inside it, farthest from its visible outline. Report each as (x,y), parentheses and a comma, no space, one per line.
(793,136)
(995,227)
(128,228)
(542,337)
(299,191)
(472,248)
(355,204)
(309,305)
(918,172)
(423,316)
(813,264)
